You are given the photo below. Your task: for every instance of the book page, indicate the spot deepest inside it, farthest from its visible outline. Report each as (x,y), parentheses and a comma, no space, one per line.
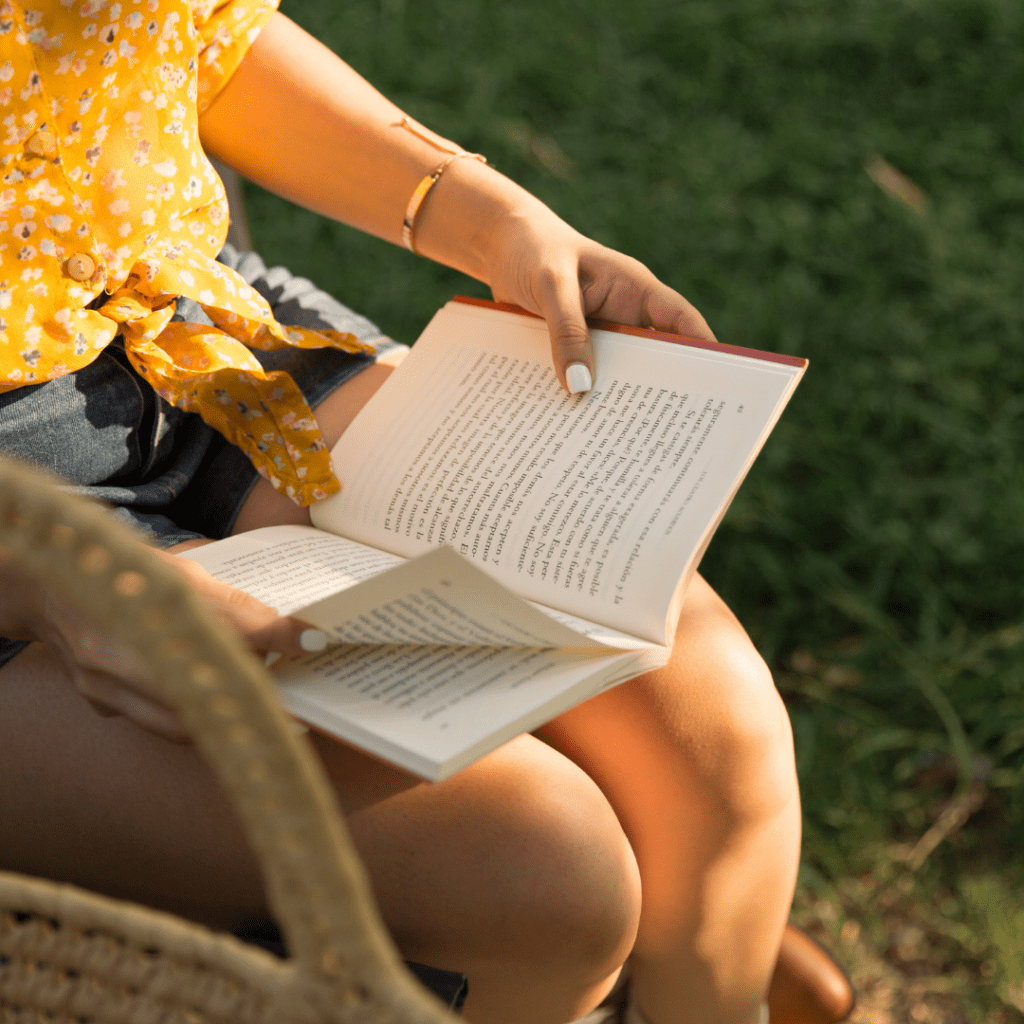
(439,599)
(289,567)
(433,710)
(438,662)
(358,595)
(595,504)
(595,631)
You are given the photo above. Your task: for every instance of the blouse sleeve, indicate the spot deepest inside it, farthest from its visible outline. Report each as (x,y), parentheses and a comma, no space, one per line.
(225,30)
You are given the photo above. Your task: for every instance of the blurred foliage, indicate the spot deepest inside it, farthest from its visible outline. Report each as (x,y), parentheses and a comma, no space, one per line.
(838,179)
(923,948)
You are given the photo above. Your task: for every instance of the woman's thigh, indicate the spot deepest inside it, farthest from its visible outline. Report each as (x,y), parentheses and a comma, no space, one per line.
(519,852)
(697,761)
(101,802)
(710,724)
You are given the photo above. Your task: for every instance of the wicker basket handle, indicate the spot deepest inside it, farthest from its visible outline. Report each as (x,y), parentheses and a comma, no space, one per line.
(315,883)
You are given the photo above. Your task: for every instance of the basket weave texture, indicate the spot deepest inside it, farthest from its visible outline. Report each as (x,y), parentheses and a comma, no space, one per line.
(67,955)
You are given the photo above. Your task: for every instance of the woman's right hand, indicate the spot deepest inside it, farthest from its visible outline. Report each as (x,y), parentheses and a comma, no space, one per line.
(109,675)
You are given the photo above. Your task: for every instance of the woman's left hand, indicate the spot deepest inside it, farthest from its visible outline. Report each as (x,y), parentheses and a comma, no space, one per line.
(539,262)
(114,679)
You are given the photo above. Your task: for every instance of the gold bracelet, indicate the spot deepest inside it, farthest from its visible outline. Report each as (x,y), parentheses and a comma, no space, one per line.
(413,209)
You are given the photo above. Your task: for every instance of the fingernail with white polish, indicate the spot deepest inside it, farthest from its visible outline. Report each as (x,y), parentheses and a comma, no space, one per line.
(312,640)
(577,377)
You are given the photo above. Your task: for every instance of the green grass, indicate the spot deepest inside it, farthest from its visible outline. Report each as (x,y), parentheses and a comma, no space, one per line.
(876,553)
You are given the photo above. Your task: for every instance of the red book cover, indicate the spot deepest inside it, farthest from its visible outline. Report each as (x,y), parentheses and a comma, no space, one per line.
(645,332)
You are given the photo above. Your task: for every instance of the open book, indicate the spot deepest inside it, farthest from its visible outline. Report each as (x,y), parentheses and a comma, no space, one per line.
(501,551)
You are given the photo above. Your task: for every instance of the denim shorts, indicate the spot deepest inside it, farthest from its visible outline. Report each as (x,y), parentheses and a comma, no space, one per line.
(162,470)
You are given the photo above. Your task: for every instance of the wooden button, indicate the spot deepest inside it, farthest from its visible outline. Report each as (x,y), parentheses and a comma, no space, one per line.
(80,266)
(42,144)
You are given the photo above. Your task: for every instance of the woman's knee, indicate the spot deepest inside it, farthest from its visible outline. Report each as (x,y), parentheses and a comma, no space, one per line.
(518,860)
(744,753)
(578,879)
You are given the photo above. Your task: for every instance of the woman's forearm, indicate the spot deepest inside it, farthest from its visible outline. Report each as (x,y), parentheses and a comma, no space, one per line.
(299,121)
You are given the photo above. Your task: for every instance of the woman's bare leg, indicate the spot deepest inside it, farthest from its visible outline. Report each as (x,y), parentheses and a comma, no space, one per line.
(498,872)
(516,871)
(697,761)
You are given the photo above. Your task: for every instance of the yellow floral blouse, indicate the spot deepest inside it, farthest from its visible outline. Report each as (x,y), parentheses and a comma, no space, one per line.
(109,210)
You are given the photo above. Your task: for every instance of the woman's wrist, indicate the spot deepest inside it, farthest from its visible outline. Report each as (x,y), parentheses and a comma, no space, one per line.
(466,218)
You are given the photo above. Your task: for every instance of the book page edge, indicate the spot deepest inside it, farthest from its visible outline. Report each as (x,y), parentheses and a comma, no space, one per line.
(646,332)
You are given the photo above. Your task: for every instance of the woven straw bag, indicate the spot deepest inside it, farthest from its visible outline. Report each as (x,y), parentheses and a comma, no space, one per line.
(72,956)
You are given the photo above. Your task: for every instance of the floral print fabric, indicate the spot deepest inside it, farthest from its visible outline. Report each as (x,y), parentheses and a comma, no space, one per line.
(110,210)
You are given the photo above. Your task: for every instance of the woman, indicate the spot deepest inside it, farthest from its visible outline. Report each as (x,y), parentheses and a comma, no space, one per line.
(658,821)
